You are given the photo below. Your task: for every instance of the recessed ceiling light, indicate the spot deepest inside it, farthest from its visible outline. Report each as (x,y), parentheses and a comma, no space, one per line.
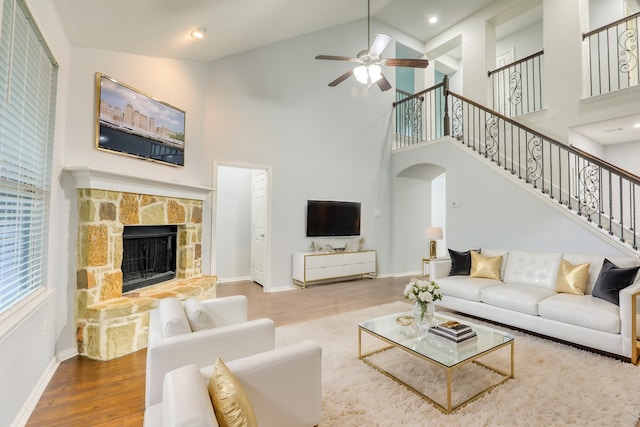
(637,125)
(198,33)
(433,20)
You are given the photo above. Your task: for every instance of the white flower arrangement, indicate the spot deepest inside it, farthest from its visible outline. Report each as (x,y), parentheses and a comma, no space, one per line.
(422,292)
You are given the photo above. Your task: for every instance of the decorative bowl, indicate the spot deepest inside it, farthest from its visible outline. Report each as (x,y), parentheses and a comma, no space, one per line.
(404,320)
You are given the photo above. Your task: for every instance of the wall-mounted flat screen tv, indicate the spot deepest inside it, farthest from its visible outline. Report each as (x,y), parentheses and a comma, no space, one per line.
(133,123)
(326,218)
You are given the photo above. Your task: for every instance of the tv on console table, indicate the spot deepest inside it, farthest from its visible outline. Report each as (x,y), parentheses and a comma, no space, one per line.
(315,267)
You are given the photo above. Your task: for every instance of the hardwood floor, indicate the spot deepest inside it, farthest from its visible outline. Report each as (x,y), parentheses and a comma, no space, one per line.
(85,392)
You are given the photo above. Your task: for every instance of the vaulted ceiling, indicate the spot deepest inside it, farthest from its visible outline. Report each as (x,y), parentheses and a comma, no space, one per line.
(162,27)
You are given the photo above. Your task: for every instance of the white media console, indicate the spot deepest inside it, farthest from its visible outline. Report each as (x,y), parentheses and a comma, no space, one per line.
(309,267)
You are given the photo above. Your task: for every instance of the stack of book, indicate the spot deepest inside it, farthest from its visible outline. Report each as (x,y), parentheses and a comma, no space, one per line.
(453,331)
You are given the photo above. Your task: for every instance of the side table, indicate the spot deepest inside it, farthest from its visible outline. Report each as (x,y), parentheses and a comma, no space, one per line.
(425,261)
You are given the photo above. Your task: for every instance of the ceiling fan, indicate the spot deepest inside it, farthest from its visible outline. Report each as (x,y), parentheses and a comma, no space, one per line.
(369,70)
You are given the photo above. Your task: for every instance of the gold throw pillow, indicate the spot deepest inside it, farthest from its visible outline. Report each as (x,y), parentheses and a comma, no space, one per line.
(572,279)
(230,402)
(486,267)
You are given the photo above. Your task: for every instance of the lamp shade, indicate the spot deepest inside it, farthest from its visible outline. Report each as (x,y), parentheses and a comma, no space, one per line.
(362,74)
(434,233)
(375,73)
(368,74)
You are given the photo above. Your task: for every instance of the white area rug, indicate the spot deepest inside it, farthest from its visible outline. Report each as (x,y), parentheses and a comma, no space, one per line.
(555,384)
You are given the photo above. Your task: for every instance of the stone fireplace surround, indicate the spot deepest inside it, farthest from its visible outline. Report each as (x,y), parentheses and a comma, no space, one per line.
(111,324)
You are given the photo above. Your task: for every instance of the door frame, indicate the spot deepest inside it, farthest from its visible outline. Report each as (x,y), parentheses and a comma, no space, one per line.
(266,286)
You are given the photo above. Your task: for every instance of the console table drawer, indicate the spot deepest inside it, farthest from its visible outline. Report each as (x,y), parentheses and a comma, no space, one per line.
(315,267)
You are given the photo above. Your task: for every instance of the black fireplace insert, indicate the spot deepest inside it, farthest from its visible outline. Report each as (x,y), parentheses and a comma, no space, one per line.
(149,255)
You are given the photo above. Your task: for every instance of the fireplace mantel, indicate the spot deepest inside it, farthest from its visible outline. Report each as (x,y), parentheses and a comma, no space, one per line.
(99,179)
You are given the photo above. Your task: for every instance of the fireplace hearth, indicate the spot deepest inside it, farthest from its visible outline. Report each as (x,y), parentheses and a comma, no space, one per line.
(148,255)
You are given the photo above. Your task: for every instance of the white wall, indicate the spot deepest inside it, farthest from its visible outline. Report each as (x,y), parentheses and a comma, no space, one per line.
(233,223)
(603,12)
(411,217)
(526,41)
(439,211)
(494,211)
(273,107)
(624,155)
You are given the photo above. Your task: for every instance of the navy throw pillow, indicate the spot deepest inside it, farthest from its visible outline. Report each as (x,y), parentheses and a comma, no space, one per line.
(611,280)
(460,262)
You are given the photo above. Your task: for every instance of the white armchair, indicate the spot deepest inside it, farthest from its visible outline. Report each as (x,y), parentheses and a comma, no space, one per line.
(283,386)
(232,337)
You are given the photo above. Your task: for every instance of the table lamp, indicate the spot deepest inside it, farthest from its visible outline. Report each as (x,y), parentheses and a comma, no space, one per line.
(433,234)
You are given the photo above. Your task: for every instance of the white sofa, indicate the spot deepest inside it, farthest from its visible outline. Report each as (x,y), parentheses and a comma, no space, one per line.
(525,298)
(232,337)
(283,386)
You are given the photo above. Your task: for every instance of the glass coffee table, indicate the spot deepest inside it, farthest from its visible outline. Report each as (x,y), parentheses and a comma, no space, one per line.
(438,351)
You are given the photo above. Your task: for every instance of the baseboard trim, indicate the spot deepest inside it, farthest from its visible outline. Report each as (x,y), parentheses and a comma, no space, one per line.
(27,409)
(233,279)
(67,354)
(284,288)
(417,274)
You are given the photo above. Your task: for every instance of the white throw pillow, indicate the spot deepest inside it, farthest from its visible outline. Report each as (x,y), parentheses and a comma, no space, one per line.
(198,316)
(172,317)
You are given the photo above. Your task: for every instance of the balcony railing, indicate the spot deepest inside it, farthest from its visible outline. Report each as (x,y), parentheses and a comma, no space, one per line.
(517,87)
(421,116)
(601,193)
(613,54)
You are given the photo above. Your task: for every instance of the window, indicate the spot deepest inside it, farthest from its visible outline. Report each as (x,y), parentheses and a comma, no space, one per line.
(28,75)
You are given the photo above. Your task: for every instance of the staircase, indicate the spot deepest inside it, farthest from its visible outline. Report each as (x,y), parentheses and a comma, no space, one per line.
(599,193)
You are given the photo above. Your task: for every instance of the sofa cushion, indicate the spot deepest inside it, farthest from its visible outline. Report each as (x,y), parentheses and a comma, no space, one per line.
(498,252)
(572,279)
(185,400)
(581,310)
(520,298)
(198,316)
(485,267)
(230,402)
(612,279)
(460,262)
(173,320)
(464,287)
(538,269)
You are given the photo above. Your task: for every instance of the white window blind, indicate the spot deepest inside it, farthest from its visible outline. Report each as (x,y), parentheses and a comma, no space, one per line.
(28,75)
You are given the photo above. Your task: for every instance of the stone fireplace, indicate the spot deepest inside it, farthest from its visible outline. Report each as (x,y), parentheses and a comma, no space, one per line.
(109,322)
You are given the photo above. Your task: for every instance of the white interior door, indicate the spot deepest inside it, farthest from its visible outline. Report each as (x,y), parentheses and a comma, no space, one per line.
(258,225)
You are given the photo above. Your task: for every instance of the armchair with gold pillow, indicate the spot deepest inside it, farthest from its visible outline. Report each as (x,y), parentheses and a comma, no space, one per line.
(276,388)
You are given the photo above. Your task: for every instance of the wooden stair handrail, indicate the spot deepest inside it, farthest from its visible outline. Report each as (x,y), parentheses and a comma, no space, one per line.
(613,24)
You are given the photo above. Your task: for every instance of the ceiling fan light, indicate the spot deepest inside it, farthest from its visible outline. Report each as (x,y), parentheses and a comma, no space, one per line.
(375,72)
(361,74)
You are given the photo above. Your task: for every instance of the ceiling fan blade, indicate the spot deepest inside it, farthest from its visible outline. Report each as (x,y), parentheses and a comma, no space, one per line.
(342,78)
(337,58)
(402,62)
(383,84)
(381,41)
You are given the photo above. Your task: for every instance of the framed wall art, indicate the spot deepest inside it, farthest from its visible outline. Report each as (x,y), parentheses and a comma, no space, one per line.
(133,123)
